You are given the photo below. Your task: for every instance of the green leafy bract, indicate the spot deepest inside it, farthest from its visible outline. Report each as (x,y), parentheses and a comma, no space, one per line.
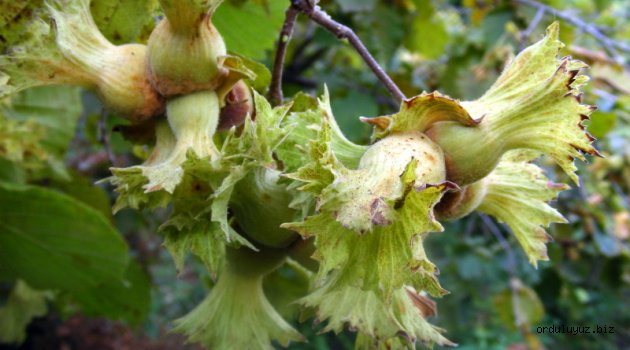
(534,104)
(201,188)
(517,193)
(366,261)
(236,314)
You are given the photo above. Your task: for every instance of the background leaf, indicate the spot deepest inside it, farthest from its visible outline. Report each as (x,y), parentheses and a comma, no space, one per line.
(124,21)
(54,242)
(250,29)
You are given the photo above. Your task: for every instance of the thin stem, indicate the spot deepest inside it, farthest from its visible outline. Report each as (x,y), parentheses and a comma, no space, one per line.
(511,267)
(103,137)
(320,17)
(496,232)
(611,46)
(275,89)
(530,28)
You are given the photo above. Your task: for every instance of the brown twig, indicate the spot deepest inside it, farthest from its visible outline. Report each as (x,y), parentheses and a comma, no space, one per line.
(611,46)
(320,17)
(531,27)
(275,89)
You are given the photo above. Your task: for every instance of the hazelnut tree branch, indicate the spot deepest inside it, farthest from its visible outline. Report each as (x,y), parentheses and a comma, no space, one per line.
(610,45)
(275,89)
(530,28)
(317,15)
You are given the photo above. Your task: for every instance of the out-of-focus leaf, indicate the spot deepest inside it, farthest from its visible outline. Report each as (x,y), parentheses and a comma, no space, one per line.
(348,110)
(250,29)
(385,32)
(20,142)
(613,76)
(607,244)
(15,15)
(55,242)
(11,172)
(124,21)
(56,108)
(519,307)
(127,299)
(23,304)
(83,189)
(493,26)
(479,9)
(601,123)
(356,5)
(427,35)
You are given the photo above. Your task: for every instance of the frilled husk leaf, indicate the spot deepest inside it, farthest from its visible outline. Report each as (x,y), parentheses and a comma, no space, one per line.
(236,314)
(305,124)
(419,113)
(202,181)
(535,104)
(365,261)
(517,193)
(192,121)
(73,51)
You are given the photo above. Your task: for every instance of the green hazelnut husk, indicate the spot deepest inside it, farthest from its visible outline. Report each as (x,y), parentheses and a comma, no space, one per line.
(365,197)
(123,86)
(185,55)
(74,51)
(237,314)
(260,205)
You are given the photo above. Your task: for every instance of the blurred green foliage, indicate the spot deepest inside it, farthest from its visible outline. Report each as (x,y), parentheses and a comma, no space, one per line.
(456,47)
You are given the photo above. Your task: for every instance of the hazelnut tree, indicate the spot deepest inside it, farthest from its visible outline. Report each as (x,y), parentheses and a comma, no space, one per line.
(253,184)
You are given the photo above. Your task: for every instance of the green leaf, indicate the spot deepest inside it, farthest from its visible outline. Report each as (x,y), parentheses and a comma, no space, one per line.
(126,299)
(57,109)
(519,306)
(82,189)
(427,35)
(20,143)
(493,26)
(55,242)
(356,5)
(124,21)
(23,304)
(11,172)
(15,17)
(602,123)
(348,108)
(248,28)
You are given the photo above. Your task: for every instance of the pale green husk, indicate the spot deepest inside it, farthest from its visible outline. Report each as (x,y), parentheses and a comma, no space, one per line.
(236,314)
(367,255)
(534,104)
(517,194)
(73,51)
